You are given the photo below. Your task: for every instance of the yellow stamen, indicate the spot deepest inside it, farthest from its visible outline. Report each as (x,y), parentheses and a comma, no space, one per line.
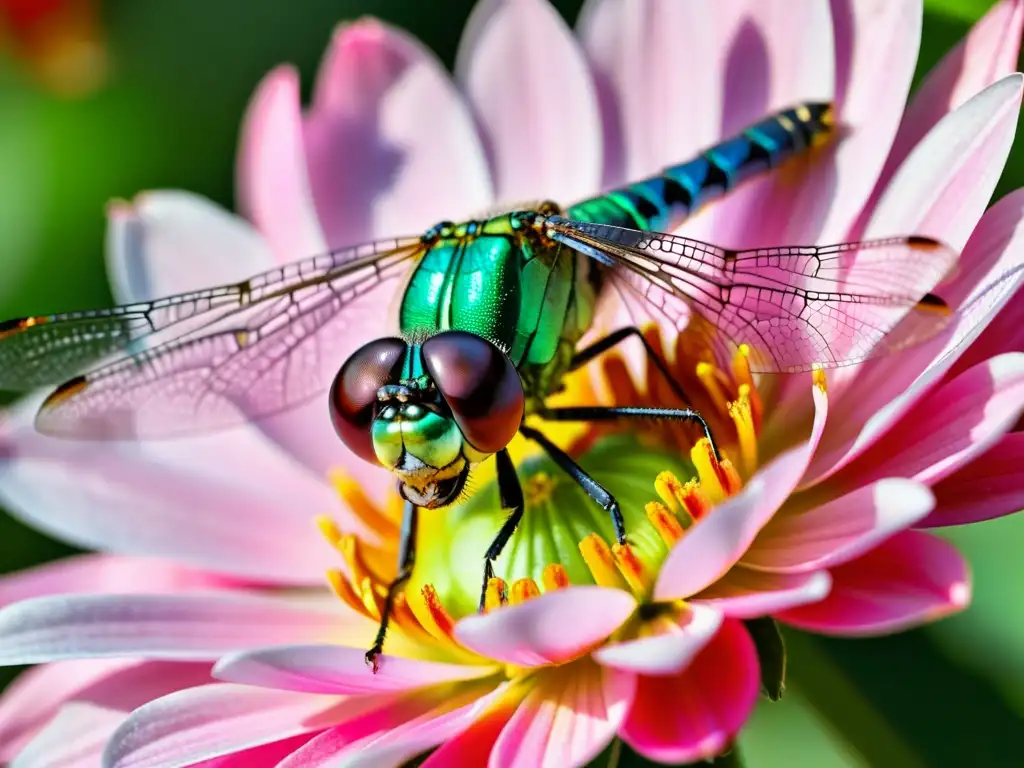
(730,477)
(708,470)
(664,522)
(819,380)
(495,596)
(741,366)
(523,590)
(630,567)
(370,602)
(599,559)
(329,529)
(554,576)
(352,494)
(343,589)
(440,623)
(708,375)
(539,488)
(742,416)
(669,490)
(695,500)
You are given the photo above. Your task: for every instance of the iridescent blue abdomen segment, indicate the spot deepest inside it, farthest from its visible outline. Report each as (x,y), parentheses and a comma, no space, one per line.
(661,202)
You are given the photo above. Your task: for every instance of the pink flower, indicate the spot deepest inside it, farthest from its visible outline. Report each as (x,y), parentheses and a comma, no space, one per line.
(807,523)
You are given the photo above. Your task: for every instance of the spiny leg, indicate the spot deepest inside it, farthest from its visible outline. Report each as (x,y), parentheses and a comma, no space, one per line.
(602,413)
(601,346)
(511,493)
(594,489)
(406,558)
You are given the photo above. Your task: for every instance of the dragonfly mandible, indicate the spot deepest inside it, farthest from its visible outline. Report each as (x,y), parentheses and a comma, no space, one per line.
(491,315)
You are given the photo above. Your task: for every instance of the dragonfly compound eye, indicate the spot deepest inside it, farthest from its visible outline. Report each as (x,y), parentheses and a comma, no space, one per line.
(354,392)
(480,385)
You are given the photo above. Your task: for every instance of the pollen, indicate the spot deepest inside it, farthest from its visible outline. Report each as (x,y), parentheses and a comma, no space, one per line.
(523,590)
(497,591)
(819,380)
(741,413)
(554,576)
(382,522)
(440,623)
(601,562)
(670,490)
(630,567)
(709,376)
(695,501)
(664,522)
(708,470)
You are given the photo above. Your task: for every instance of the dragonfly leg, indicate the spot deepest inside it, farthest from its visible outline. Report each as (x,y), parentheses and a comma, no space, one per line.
(511,493)
(601,346)
(406,557)
(601,413)
(594,489)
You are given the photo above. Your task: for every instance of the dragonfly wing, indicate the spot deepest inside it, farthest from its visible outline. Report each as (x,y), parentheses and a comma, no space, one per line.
(796,307)
(209,359)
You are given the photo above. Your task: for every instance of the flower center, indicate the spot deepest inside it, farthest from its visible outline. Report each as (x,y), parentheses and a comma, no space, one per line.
(564,537)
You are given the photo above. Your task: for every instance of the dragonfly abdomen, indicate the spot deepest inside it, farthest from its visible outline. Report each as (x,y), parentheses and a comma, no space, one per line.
(661,202)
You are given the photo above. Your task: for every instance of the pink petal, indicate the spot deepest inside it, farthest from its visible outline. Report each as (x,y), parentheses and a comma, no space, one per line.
(744,593)
(273,185)
(550,629)
(74,738)
(800,540)
(395,734)
(81,703)
(541,146)
(106,573)
(876,46)
(391,146)
(774,55)
(228,503)
(741,60)
(35,697)
(666,645)
(337,669)
(567,718)
(987,53)
(219,719)
(170,242)
(1005,333)
(474,744)
(263,756)
(944,185)
(950,427)
(990,486)
(638,51)
(37,694)
(712,546)
(175,627)
(910,579)
(990,272)
(695,715)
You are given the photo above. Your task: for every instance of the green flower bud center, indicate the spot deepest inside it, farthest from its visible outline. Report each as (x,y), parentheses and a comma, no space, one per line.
(558,516)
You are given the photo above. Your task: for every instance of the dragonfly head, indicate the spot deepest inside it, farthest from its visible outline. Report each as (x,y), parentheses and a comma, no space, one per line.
(431,429)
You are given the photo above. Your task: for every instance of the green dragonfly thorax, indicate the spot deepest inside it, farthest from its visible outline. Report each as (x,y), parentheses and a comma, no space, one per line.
(500,279)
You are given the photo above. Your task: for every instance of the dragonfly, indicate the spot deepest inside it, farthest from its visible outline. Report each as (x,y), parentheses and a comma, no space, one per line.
(491,314)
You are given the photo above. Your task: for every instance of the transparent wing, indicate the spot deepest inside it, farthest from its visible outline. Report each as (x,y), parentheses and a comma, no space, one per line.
(207,359)
(796,307)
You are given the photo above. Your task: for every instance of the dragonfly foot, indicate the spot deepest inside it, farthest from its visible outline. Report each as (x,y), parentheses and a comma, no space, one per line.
(373,658)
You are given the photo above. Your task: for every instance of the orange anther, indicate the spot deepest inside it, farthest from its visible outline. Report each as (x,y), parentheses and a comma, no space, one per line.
(554,576)
(523,590)
(664,522)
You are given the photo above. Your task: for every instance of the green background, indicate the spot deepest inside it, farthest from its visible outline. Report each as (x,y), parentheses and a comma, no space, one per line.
(952,694)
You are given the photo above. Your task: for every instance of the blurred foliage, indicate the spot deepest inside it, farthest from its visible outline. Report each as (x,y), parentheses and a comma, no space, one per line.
(183,71)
